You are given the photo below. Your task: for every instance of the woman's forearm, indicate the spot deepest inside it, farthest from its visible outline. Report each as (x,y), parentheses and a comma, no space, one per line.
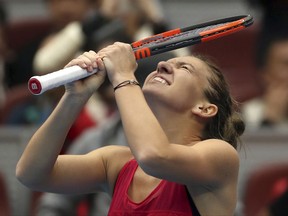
(39,157)
(146,140)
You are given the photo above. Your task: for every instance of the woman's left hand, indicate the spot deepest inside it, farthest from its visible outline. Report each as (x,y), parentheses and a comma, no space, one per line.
(120,62)
(89,61)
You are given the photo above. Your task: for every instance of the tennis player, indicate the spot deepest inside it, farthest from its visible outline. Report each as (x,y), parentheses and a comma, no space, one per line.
(182,129)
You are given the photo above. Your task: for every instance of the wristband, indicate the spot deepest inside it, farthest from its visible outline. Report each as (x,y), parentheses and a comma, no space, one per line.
(125,83)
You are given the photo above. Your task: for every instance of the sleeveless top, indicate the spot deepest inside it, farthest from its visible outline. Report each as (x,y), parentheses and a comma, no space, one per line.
(167,199)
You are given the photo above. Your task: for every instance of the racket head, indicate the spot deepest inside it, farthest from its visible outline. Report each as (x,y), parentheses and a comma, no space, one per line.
(183,37)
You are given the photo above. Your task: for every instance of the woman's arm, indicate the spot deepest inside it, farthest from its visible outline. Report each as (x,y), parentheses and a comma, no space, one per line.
(149,143)
(39,166)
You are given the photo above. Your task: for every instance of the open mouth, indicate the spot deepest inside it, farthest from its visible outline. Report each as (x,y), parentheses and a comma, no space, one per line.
(160,80)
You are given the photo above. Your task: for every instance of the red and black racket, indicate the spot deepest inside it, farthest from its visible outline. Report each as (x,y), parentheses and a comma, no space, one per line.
(153,45)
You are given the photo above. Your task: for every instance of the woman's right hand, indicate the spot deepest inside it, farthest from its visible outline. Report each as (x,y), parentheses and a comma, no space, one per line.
(86,87)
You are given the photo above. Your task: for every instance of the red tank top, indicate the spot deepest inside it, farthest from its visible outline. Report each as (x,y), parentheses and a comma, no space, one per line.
(167,199)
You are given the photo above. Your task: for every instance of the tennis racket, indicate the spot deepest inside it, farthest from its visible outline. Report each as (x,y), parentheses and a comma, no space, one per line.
(153,45)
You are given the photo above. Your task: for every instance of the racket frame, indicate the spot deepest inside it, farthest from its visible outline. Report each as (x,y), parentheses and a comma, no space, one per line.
(183,37)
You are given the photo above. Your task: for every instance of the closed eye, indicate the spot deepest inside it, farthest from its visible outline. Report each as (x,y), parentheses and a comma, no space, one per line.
(187,68)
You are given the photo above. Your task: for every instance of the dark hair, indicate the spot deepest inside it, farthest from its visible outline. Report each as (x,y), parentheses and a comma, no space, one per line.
(227,124)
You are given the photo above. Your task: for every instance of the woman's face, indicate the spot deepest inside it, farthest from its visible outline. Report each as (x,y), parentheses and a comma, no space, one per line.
(178,82)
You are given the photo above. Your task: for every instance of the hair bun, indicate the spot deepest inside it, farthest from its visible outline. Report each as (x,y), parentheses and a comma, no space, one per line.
(238,123)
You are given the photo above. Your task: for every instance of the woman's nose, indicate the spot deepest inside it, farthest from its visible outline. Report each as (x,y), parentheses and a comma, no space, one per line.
(164,67)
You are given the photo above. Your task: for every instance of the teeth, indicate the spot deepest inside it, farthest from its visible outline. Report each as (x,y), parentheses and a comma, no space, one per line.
(159,79)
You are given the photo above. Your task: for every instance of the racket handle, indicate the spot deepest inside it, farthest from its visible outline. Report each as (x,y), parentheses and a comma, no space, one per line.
(39,84)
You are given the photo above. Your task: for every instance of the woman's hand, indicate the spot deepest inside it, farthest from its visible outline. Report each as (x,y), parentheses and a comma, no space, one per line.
(86,87)
(120,62)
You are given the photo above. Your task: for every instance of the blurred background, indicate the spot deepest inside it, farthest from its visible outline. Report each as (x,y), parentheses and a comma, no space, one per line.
(40,36)
(180,12)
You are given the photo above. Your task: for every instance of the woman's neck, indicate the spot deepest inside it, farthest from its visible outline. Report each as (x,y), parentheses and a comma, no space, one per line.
(179,127)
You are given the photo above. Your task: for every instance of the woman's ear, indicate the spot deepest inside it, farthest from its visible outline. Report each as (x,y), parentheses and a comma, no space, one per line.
(205,110)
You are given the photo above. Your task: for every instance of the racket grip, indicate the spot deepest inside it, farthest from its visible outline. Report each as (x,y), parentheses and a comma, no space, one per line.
(39,84)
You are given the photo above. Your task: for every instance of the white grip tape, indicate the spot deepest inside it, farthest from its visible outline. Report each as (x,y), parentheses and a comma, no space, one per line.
(39,84)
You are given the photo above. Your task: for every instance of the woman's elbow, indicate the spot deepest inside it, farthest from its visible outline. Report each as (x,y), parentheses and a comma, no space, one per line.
(25,177)
(150,162)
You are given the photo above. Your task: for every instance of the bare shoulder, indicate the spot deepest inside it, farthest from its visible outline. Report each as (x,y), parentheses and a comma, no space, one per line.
(220,164)
(114,158)
(221,155)
(217,147)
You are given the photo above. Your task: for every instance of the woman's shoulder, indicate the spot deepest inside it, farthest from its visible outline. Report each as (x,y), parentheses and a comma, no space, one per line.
(216,143)
(219,152)
(115,158)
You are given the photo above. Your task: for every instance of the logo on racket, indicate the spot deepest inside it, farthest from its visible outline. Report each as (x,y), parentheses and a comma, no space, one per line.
(142,53)
(34,86)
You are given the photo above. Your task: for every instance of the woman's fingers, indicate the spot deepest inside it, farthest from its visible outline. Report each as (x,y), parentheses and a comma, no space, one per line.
(88,61)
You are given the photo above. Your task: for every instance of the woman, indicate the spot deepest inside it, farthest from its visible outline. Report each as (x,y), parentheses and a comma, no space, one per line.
(182,132)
